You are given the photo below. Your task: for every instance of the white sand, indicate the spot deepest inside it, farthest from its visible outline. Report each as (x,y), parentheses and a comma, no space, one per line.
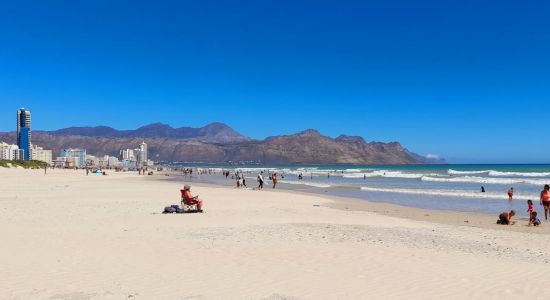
(68,236)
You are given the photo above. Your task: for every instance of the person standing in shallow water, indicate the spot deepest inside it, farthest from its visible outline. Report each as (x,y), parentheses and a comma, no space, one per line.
(511,194)
(260,181)
(545,200)
(274,179)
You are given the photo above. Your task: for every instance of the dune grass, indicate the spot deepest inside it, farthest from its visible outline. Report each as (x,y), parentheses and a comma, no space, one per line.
(31,164)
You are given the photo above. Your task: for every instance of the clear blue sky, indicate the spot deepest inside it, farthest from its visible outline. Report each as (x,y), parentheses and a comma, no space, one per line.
(467,80)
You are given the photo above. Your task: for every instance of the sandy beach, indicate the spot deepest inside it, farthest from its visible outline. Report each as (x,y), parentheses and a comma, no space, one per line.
(66,235)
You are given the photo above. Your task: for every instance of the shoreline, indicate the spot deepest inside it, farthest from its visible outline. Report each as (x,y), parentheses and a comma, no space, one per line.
(447,217)
(448,187)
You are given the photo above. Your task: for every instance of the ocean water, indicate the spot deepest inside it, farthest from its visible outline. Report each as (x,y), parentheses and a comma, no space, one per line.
(444,187)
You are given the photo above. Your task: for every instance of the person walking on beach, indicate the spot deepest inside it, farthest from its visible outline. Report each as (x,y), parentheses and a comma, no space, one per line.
(274,179)
(260,181)
(545,200)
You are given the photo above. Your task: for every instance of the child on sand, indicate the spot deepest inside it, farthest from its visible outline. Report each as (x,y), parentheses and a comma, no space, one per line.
(534,219)
(505,218)
(530,207)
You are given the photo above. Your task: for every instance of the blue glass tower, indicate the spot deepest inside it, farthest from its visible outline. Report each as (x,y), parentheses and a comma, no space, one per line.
(24,132)
(24,143)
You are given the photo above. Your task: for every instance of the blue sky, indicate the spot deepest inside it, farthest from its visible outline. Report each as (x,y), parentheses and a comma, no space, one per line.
(467,80)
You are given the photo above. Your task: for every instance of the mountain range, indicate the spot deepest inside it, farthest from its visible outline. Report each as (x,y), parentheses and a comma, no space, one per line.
(217,142)
(213,132)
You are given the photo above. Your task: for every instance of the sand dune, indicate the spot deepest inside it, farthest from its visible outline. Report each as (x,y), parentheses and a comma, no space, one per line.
(68,236)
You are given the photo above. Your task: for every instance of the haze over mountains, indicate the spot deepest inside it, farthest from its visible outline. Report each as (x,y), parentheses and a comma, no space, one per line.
(213,132)
(217,142)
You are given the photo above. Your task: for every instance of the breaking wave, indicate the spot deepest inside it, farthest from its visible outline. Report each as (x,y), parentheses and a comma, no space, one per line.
(449,193)
(308,183)
(493,173)
(487,180)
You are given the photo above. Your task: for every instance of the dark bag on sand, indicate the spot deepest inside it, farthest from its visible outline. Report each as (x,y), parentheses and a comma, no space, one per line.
(169,210)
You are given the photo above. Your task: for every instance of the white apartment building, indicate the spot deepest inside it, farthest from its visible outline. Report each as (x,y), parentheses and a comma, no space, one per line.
(10,152)
(138,155)
(38,153)
(127,154)
(80,154)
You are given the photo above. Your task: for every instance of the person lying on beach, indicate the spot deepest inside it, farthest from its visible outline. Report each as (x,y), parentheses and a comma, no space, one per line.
(190,199)
(534,219)
(505,218)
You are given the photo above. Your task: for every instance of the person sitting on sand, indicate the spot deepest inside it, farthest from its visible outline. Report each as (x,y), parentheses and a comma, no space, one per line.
(534,219)
(190,199)
(505,218)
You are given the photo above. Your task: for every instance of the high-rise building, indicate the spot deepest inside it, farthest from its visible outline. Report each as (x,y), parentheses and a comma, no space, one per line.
(127,154)
(142,159)
(24,132)
(80,154)
(134,158)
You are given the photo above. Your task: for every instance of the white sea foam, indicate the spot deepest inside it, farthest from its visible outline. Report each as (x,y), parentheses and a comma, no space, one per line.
(448,193)
(308,183)
(487,180)
(494,173)
(454,172)
(353,170)
(360,175)
(386,174)
(519,174)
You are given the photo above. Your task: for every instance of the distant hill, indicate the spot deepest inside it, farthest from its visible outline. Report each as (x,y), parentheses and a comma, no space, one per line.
(214,132)
(217,142)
